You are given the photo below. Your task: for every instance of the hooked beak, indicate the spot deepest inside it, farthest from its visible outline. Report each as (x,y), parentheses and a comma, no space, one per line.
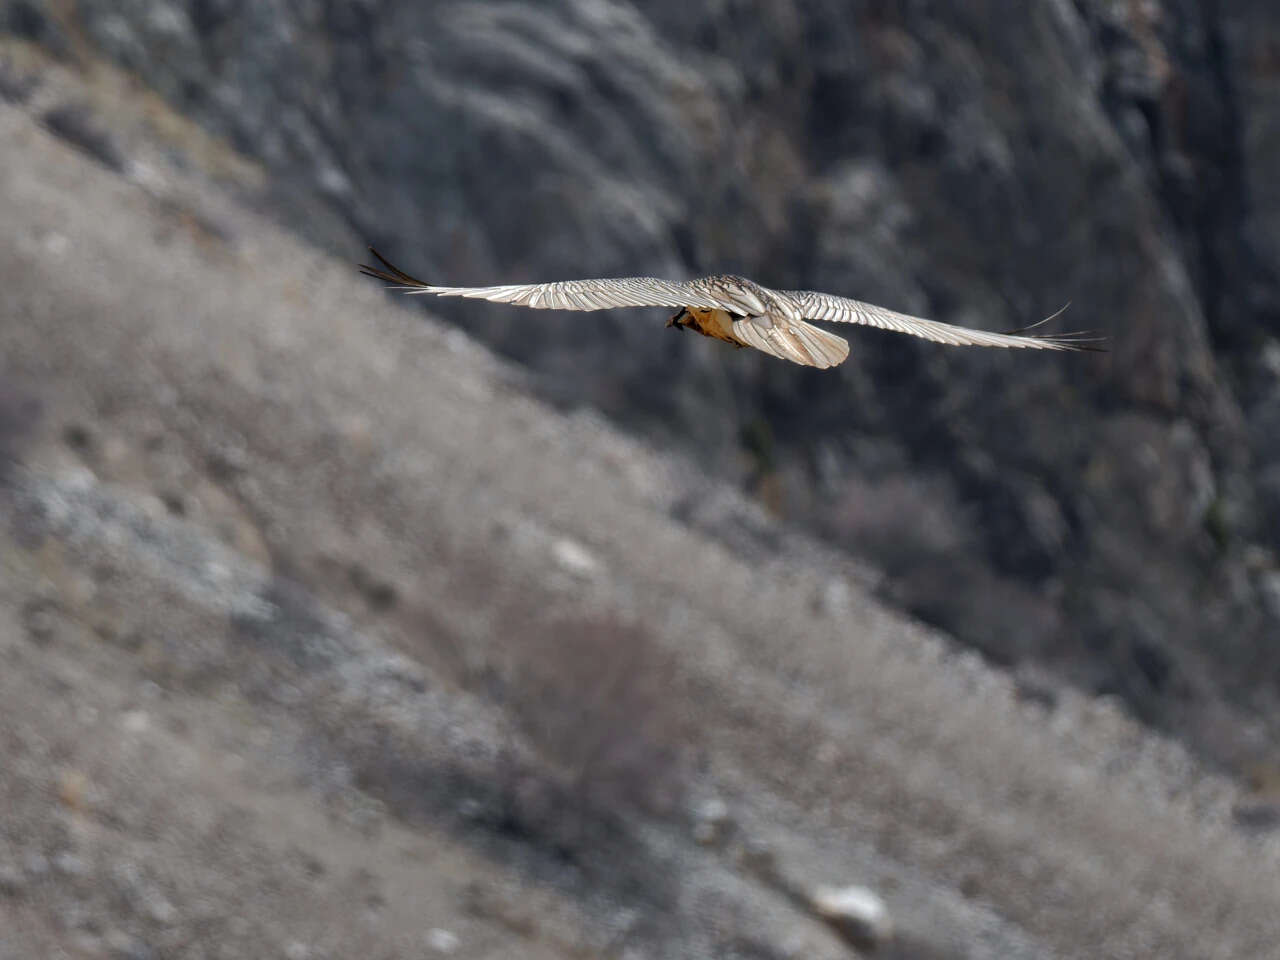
(676,318)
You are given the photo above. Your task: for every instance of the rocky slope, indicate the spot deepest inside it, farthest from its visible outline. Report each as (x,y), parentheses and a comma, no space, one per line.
(299,600)
(981,163)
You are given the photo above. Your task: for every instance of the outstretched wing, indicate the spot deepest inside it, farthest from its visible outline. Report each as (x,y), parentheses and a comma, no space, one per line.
(825,306)
(569,294)
(792,340)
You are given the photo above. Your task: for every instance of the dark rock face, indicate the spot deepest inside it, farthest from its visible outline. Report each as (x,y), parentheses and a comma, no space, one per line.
(980,163)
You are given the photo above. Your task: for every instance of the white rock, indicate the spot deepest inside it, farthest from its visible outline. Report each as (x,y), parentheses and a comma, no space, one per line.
(68,864)
(135,721)
(835,599)
(442,941)
(856,913)
(574,558)
(159,909)
(713,822)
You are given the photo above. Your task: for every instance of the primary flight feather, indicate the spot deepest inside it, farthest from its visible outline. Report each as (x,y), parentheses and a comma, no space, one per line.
(740,312)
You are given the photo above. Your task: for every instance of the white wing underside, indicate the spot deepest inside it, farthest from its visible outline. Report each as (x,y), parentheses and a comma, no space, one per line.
(828,307)
(770,320)
(594,294)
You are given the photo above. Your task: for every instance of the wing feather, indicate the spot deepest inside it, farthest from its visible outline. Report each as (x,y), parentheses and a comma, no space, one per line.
(793,340)
(825,306)
(600,294)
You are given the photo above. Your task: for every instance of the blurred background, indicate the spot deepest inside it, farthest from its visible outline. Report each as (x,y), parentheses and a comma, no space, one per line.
(332,626)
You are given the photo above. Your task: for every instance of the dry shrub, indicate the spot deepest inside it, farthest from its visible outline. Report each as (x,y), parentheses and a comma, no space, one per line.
(76,124)
(898,518)
(598,698)
(15,86)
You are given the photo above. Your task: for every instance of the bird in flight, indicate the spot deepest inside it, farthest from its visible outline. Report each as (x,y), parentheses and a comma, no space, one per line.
(740,312)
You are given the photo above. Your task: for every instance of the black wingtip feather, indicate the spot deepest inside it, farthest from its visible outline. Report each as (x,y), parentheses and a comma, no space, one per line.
(392,274)
(1039,323)
(1082,340)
